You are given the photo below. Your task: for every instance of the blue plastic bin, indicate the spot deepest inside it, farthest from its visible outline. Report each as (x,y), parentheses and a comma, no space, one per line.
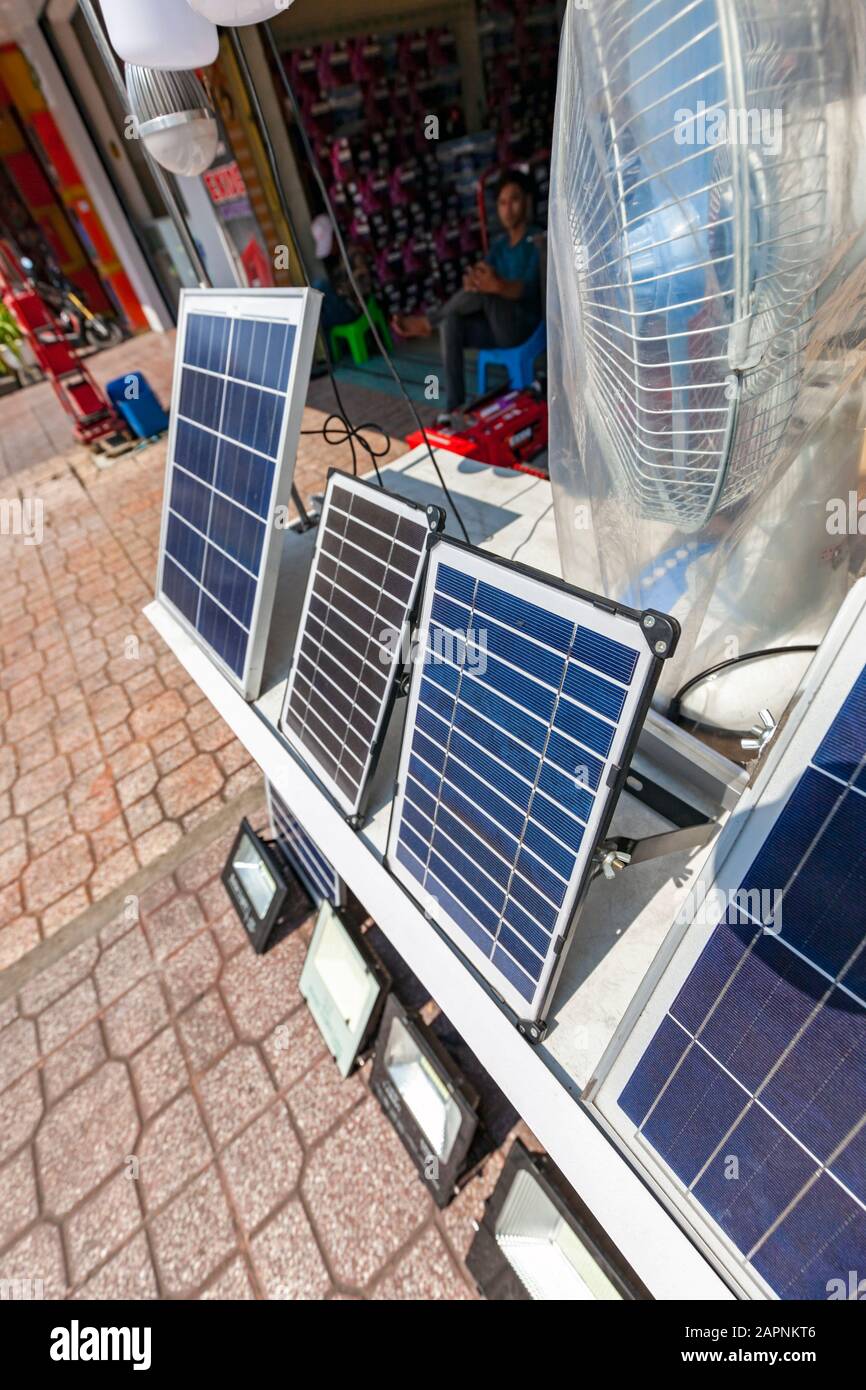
(134,400)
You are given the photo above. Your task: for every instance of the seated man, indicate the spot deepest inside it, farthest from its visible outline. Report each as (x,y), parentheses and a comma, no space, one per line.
(500,303)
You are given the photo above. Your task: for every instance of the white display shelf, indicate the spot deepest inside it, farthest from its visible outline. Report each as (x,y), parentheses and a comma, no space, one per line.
(621,926)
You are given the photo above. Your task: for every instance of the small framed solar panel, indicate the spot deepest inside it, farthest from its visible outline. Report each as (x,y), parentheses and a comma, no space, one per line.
(315,871)
(242,366)
(526,701)
(736,1082)
(352,642)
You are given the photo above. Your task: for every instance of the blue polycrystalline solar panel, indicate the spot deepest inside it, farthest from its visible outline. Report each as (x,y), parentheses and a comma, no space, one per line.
(520,722)
(750,1093)
(370,553)
(241,372)
(314,870)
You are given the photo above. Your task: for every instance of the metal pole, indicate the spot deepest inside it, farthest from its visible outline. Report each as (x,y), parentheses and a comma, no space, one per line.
(167,193)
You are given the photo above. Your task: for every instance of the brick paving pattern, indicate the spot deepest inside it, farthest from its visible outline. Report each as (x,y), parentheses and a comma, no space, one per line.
(172,1126)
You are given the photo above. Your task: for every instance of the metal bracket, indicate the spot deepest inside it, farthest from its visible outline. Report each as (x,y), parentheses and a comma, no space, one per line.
(533,1030)
(620,851)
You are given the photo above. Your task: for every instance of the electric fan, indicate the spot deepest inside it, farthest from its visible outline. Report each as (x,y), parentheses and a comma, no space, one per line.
(707,280)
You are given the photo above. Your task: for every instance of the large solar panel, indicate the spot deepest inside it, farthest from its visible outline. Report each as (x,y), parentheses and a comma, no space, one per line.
(315,871)
(370,553)
(242,365)
(741,1085)
(522,717)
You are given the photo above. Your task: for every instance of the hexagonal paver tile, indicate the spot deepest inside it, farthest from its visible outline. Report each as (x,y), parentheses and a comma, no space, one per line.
(122,965)
(261,991)
(19,1204)
(35,1263)
(67,1015)
(363,1156)
(135,1018)
(20,1112)
(294,1047)
(262,1166)
(193,1235)
(194,968)
(206,1031)
(101,1226)
(159,1072)
(129,1274)
(232,1285)
(88,1133)
(287,1258)
(174,1147)
(18,1050)
(426,1273)
(173,924)
(319,1099)
(56,979)
(234,1090)
(76,1059)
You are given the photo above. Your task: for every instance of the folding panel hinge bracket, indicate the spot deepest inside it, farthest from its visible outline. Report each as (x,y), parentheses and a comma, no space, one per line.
(534,1030)
(435,518)
(620,851)
(660,633)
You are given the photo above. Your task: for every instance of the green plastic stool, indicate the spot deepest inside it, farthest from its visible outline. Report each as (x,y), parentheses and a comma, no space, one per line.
(355,335)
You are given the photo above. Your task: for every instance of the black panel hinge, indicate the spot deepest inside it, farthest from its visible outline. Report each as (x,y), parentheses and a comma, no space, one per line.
(661,632)
(436,518)
(532,1029)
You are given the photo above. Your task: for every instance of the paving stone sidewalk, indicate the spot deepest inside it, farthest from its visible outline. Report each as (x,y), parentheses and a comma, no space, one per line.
(171,1125)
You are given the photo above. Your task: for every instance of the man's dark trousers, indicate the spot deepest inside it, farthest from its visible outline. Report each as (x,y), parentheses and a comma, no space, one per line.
(473,320)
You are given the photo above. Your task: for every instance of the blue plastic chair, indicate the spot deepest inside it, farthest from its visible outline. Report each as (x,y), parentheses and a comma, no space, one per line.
(519,361)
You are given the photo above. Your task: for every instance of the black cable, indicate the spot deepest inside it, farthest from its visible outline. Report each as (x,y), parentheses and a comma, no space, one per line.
(674,710)
(320,183)
(351,432)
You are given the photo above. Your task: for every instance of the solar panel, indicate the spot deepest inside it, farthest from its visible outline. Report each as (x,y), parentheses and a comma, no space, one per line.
(741,1084)
(315,871)
(522,717)
(242,365)
(370,552)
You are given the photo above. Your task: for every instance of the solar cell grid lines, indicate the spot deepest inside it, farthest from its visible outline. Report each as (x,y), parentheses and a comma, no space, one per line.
(312,867)
(521,718)
(242,368)
(366,571)
(743,1084)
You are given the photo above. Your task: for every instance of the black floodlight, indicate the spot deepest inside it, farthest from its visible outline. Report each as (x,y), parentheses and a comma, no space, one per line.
(344,984)
(537,1241)
(260,885)
(426,1098)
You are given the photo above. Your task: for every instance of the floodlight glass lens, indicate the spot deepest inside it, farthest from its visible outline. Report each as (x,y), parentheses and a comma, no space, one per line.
(423,1090)
(255,877)
(546,1254)
(344,974)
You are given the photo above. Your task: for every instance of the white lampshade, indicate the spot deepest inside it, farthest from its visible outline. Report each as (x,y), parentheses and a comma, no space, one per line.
(239,12)
(164,34)
(173,118)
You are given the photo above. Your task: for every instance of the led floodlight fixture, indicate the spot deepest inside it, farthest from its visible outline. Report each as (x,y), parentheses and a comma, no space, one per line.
(344,984)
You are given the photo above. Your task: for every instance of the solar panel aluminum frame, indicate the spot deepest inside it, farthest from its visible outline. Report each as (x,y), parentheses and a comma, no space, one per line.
(299,308)
(434,519)
(293,854)
(825,687)
(651,629)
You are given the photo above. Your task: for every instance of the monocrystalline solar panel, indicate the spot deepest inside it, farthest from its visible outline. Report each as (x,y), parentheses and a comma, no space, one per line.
(242,365)
(312,867)
(742,1086)
(522,717)
(370,553)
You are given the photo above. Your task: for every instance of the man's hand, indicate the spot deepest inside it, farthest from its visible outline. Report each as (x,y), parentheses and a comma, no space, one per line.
(486,280)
